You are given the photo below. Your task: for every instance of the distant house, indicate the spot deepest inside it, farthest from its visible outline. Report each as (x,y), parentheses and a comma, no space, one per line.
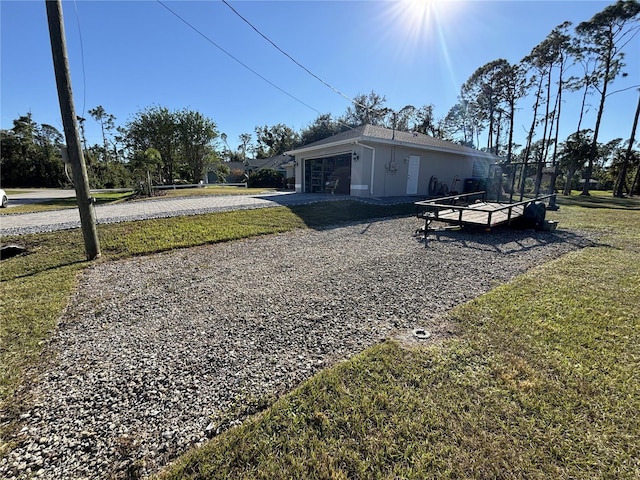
(371,161)
(280,163)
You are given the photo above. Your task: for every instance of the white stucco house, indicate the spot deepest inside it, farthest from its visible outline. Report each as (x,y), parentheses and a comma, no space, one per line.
(372,161)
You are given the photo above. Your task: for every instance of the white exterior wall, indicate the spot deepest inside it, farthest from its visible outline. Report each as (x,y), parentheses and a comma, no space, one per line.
(391,168)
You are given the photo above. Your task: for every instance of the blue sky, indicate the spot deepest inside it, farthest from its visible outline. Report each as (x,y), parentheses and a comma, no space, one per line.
(128,55)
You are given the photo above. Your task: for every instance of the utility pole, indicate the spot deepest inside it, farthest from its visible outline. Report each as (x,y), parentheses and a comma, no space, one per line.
(78,168)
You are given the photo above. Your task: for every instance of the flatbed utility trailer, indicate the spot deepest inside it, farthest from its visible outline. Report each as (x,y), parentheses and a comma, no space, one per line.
(462,210)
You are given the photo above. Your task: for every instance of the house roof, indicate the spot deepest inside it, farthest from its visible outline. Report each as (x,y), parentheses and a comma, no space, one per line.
(373,133)
(235,165)
(259,163)
(272,162)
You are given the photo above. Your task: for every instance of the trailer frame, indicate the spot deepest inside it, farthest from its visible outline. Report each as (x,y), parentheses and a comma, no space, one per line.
(461,210)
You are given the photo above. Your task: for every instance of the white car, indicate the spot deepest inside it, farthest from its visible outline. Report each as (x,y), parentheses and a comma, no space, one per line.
(3,199)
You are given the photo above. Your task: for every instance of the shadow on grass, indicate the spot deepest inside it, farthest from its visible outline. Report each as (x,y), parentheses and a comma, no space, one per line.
(328,214)
(47,268)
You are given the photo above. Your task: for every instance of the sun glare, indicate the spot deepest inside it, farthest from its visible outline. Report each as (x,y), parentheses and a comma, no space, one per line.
(422,12)
(422,29)
(417,10)
(421,20)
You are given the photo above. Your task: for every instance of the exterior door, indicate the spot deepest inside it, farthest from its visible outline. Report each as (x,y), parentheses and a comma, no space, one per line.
(412,175)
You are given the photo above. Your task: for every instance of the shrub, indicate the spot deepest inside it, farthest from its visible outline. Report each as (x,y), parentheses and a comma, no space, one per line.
(267,177)
(236,175)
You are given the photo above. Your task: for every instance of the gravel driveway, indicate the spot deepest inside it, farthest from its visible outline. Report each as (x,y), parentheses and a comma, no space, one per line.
(155,354)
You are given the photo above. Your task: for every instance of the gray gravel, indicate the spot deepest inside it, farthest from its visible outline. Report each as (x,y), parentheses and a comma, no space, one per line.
(157,354)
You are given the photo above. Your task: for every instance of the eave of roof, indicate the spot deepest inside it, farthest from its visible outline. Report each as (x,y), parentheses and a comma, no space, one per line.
(374,134)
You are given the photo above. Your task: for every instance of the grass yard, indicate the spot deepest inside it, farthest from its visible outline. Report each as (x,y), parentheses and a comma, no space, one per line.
(216,190)
(16,191)
(542,382)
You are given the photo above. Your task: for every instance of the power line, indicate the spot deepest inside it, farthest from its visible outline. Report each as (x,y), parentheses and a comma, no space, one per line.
(238,60)
(293,59)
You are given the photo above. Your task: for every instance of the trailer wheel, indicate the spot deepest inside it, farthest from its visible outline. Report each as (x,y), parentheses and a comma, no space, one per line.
(534,215)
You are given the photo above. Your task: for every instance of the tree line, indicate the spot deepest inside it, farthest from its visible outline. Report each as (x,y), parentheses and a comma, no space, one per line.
(162,146)
(157,146)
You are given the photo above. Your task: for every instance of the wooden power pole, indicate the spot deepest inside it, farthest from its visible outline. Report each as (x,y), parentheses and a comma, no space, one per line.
(79,170)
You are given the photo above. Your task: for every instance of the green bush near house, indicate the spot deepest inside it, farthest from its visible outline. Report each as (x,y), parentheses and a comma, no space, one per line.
(265,178)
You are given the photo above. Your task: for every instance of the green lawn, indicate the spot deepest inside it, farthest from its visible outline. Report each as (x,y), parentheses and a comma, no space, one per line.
(16,191)
(542,381)
(216,190)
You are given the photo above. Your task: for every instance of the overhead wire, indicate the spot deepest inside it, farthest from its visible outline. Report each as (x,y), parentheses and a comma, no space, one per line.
(293,59)
(237,59)
(341,122)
